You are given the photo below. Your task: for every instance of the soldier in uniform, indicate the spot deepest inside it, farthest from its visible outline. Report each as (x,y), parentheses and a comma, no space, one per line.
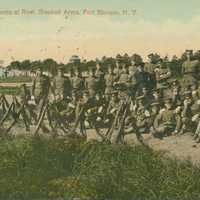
(175,92)
(124,78)
(118,69)
(190,70)
(162,74)
(100,81)
(112,108)
(154,111)
(78,82)
(166,122)
(67,87)
(142,116)
(142,78)
(42,86)
(91,82)
(150,68)
(110,80)
(190,114)
(58,84)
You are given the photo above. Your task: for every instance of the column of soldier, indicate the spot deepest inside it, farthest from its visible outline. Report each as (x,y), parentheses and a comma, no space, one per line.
(137,99)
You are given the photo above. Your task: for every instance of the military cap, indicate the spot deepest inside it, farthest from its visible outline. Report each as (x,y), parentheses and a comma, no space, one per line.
(189,51)
(150,55)
(187,93)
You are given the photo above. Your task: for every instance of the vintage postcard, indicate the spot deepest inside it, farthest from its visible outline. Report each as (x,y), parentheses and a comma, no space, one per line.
(100,100)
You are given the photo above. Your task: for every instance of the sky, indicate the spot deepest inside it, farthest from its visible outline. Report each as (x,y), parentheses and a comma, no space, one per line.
(167,27)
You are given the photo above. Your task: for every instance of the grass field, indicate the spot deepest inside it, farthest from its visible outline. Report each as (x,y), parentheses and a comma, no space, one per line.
(15,79)
(32,168)
(10,90)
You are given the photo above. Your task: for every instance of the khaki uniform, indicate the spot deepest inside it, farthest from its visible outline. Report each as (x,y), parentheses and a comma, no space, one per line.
(166,122)
(91,83)
(162,75)
(190,70)
(110,79)
(58,85)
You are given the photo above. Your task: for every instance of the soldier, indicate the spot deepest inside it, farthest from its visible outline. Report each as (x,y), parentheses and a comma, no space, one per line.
(78,82)
(195,94)
(91,82)
(166,122)
(190,115)
(100,84)
(142,78)
(154,111)
(163,74)
(190,69)
(118,70)
(41,90)
(142,116)
(58,84)
(175,92)
(124,78)
(132,68)
(37,86)
(147,96)
(150,68)
(112,108)
(110,80)
(67,87)
(151,65)
(41,87)
(187,112)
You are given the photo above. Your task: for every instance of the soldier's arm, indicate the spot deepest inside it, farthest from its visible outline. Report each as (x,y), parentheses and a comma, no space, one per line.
(157,120)
(183,68)
(178,123)
(52,85)
(185,110)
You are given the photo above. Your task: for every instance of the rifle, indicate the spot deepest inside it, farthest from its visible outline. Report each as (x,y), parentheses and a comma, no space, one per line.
(16,118)
(111,129)
(41,117)
(122,123)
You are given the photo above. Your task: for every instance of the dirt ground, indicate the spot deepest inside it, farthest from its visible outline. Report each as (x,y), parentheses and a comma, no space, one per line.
(14,84)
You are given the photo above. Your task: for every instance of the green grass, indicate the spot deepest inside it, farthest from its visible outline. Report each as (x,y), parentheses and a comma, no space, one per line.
(10,90)
(32,168)
(15,79)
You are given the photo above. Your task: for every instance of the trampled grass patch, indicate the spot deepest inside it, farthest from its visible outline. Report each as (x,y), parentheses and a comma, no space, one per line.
(70,167)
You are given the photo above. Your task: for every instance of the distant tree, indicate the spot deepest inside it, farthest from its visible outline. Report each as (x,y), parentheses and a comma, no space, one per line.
(14,65)
(50,65)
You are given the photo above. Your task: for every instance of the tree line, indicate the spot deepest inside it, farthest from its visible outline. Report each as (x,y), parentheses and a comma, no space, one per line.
(52,66)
